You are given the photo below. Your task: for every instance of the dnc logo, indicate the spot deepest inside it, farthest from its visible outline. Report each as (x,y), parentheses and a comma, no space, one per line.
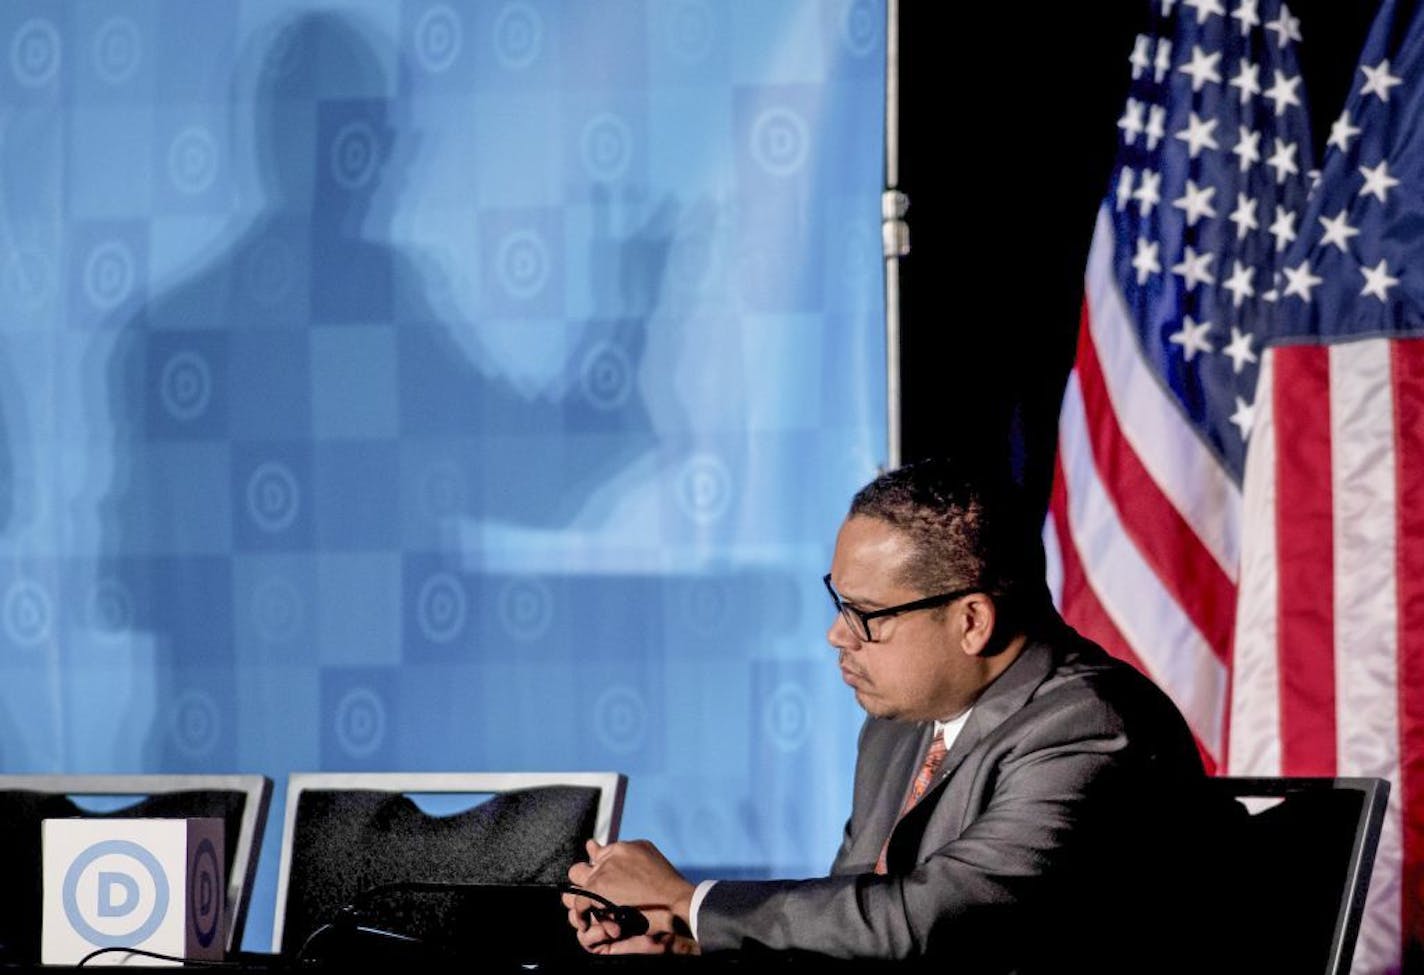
(115,894)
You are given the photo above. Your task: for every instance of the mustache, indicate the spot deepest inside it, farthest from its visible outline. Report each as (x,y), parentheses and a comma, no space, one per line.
(845,665)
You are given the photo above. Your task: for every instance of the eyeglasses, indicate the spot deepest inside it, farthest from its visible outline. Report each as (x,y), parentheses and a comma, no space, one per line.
(859,620)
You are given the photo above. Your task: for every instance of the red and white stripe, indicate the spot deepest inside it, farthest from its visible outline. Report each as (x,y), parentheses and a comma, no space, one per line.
(1286,619)
(1144,523)
(1327,677)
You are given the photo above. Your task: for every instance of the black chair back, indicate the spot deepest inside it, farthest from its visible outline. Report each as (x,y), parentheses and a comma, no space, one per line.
(1300,867)
(368,845)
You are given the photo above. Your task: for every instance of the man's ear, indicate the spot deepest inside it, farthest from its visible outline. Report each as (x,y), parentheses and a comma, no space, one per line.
(979,614)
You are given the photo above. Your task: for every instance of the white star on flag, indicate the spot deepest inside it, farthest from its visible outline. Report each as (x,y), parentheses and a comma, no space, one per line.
(1282,92)
(1378,181)
(1244,416)
(1131,121)
(1239,284)
(1124,187)
(1239,350)
(1380,81)
(1192,337)
(1139,60)
(1145,260)
(1197,135)
(1195,202)
(1246,13)
(1247,148)
(1244,216)
(1163,62)
(1342,131)
(1147,193)
(1299,280)
(1205,8)
(1283,228)
(1202,68)
(1283,160)
(1193,268)
(1378,281)
(1287,28)
(1337,231)
(1156,125)
(1247,79)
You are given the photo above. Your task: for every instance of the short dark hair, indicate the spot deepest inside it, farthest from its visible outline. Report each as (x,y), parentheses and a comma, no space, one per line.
(968,529)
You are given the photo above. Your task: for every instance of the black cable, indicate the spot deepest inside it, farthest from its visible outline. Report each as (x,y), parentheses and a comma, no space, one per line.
(347,915)
(631,921)
(317,932)
(202,962)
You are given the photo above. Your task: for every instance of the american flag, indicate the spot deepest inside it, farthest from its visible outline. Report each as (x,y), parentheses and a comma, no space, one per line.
(1238,501)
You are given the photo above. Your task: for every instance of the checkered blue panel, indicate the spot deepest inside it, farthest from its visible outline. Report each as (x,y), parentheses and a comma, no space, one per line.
(441,385)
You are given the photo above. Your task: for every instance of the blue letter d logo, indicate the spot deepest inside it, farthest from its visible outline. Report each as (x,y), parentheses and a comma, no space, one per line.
(110,882)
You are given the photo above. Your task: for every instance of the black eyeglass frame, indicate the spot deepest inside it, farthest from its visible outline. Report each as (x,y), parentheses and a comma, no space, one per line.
(859,620)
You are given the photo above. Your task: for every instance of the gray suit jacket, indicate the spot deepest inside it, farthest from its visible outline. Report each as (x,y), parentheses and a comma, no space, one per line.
(1071,792)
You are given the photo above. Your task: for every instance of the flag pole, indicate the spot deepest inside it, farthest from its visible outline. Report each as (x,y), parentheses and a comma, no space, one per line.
(894,235)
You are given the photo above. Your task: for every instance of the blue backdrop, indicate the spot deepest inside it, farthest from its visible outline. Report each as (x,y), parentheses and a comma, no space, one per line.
(441,386)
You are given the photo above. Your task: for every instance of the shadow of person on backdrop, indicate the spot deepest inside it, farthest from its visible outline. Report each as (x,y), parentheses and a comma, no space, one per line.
(299,388)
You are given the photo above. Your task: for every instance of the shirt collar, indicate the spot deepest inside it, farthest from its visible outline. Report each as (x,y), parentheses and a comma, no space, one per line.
(950,729)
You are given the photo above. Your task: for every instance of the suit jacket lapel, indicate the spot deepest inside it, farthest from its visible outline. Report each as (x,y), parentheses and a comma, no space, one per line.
(997,703)
(899,763)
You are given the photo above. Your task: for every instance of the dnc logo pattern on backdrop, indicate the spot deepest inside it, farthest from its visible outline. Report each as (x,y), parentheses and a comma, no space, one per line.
(441,385)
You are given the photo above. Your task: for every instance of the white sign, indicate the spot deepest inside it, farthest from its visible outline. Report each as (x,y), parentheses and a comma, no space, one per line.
(154,884)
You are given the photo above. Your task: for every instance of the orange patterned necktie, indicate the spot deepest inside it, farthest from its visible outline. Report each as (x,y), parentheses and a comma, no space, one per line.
(934,758)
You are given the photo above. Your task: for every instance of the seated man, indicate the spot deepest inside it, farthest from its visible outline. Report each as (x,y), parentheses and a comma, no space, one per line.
(1022,799)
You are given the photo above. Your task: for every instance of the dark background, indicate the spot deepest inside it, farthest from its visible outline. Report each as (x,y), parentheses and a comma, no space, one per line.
(1008,130)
